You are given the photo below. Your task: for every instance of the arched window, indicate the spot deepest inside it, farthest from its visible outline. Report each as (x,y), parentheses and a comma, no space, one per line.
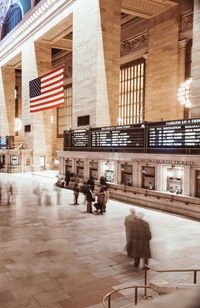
(13,17)
(36,2)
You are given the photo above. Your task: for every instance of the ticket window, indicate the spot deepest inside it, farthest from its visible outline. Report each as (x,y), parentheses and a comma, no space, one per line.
(148,177)
(175,180)
(93,170)
(108,171)
(68,166)
(80,169)
(126,174)
(197,181)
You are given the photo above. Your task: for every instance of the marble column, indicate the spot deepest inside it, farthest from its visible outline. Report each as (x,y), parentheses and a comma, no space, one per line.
(96,61)
(7,101)
(195,110)
(36,61)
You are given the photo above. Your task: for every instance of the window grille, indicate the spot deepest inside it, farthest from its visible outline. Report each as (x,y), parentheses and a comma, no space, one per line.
(132,92)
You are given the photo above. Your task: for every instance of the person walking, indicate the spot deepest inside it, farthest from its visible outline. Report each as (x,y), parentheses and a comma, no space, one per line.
(138,245)
(128,223)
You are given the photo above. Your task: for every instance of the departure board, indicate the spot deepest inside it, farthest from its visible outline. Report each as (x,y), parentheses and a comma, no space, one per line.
(80,138)
(174,134)
(127,136)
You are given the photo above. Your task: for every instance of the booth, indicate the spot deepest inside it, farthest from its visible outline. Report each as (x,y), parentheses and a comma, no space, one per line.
(126,174)
(148,177)
(93,169)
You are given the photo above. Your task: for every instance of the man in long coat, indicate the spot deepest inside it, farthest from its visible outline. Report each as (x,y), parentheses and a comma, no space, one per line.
(138,245)
(128,223)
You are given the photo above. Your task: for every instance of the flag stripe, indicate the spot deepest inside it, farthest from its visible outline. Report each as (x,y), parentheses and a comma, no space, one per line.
(47,91)
(53,72)
(49,85)
(46,95)
(43,101)
(48,106)
(47,78)
(49,81)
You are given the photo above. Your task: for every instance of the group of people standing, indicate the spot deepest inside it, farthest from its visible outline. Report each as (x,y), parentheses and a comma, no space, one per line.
(138,236)
(92,198)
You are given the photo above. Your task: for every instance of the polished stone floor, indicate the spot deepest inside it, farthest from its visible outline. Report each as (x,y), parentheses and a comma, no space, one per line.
(57,255)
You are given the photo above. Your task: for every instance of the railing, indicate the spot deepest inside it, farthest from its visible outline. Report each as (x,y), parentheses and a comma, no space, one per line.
(147,268)
(107,297)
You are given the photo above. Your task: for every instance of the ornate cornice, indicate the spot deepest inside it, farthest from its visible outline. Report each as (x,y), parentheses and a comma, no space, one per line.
(187,22)
(134,44)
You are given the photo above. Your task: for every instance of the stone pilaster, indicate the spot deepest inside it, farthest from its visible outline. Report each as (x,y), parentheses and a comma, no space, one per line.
(36,61)
(96,67)
(7,101)
(181,67)
(162,83)
(195,110)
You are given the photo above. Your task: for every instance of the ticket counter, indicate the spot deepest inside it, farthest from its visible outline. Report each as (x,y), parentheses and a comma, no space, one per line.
(80,168)
(174,179)
(148,177)
(126,174)
(108,169)
(93,170)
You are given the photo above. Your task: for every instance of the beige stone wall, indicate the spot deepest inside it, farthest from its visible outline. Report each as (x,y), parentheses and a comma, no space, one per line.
(165,62)
(7,101)
(36,61)
(162,82)
(195,111)
(96,50)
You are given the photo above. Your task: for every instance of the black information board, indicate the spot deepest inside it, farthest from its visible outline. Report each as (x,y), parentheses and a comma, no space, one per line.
(174,134)
(80,138)
(127,136)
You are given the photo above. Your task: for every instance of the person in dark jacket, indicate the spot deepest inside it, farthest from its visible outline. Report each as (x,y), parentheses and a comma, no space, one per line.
(91,183)
(138,245)
(100,204)
(89,198)
(76,193)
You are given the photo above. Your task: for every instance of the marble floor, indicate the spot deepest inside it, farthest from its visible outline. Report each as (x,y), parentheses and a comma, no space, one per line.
(58,256)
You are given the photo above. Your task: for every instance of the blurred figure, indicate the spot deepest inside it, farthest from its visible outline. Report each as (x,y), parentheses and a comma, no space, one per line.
(57,189)
(138,241)
(37,191)
(89,198)
(128,222)
(76,193)
(100,204)
(10,193)
(91,183)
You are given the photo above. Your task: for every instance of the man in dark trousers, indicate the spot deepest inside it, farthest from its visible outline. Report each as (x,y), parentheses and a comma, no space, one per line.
(89,198)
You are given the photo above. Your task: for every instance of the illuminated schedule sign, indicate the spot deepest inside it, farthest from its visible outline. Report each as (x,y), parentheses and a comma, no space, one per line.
(127,136)
(80,138)
(174,134)
(179,136)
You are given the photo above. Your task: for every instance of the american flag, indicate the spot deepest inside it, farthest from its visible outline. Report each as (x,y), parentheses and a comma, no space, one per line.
(47,91)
